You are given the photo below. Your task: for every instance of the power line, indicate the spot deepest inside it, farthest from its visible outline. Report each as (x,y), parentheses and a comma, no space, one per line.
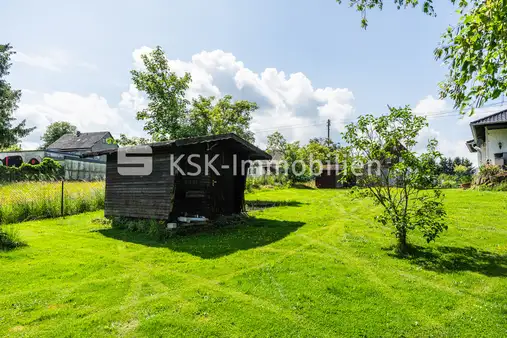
(438,114)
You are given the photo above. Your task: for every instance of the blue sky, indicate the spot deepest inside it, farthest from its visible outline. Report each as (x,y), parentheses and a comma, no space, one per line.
(74,59)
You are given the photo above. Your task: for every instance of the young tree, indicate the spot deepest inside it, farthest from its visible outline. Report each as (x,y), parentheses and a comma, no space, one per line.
(224,116)
(399,186)
(56,130)
(9,135)
(475,49)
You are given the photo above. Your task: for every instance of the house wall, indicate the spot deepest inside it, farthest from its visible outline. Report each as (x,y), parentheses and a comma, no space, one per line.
(140,196)
(493,137)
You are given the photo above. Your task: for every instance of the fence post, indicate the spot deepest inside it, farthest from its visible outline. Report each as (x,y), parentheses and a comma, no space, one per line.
(62,206)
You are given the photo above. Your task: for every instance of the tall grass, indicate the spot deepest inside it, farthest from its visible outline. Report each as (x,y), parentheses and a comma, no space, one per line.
(35,200)
(266,181)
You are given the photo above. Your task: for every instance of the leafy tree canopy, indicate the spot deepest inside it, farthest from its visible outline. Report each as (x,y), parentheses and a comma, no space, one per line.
(474,50)
(10,135)
(224,116)
(56,130)
(126,141)
(170,115)
(276,143)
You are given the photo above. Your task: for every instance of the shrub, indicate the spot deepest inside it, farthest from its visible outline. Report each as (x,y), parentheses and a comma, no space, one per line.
(490,175)
(9,238)
(446,181)
(489,170)
(48,169)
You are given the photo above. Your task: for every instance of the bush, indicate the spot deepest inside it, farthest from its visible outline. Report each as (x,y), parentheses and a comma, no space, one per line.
(446,181)
(496,187)
(48,169)
(9,238)
(489,176)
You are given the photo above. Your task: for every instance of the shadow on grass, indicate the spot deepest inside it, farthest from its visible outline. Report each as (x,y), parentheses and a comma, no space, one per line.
(217,242)
(259,204)
(448,259)
(302,186)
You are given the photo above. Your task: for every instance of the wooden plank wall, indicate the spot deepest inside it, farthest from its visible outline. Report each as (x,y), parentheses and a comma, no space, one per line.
(140,196)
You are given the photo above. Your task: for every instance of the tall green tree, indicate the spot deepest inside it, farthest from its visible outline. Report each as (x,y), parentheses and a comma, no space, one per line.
(400,186)
(276,143)
(56,130)
(170,115)
(165,116)
(209,118)
(10,134)
(474,49)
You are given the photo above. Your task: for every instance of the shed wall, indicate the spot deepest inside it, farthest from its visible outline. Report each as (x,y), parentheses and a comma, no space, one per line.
(140,196)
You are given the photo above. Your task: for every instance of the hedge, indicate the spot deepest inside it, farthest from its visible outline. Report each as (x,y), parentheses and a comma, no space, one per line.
(48,169)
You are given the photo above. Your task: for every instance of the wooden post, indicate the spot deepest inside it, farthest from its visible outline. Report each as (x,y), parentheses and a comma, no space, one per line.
(328,131)
(62,206)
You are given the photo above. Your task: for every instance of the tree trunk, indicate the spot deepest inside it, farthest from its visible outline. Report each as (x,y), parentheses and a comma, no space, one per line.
(402,241)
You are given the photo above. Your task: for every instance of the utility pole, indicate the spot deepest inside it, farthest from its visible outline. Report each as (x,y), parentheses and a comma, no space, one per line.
(328,129)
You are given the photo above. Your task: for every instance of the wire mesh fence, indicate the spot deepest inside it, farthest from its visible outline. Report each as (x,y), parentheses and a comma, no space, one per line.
(22,201)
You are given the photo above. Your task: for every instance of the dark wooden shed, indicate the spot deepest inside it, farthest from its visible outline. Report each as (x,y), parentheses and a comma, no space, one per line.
(328,179)
(167,193)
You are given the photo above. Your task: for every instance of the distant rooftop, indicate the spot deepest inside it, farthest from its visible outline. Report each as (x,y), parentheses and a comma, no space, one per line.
(78,140)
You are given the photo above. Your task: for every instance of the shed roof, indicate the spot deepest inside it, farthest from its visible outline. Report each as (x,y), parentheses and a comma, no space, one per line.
(78,141)
(256,153)
(500,117)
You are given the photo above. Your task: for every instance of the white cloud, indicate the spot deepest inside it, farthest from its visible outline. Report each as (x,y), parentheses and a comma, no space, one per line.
(45,62)
(88,113)
(284,100)
(430,106)
(56,60)
(288,103)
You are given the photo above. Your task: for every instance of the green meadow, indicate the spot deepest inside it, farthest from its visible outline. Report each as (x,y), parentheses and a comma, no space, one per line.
(311,263)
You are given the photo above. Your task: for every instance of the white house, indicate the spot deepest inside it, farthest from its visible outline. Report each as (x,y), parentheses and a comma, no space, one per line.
(490,139)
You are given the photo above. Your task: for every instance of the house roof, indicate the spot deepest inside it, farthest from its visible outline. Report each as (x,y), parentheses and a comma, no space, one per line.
(83,141)
(500,117)
(256,153)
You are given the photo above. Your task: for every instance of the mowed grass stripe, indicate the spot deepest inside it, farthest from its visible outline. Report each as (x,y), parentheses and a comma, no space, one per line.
(318,267)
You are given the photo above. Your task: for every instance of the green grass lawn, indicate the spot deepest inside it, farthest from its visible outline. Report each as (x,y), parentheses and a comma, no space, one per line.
(316,266)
